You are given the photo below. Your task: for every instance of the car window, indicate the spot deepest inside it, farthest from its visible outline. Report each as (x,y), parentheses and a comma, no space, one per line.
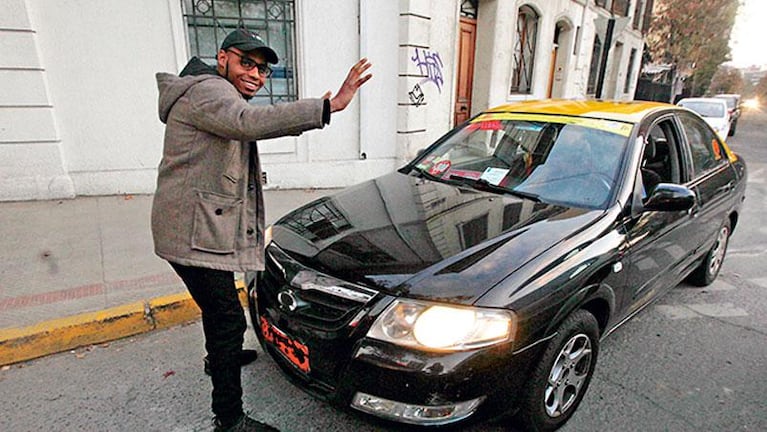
(556,159)
(730,101)
(705,148)
(705,109)
(660,157)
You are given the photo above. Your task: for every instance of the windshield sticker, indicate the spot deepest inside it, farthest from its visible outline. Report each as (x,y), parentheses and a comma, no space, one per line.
(616,127)
(426,163)
(530,127)
(439,167)
(494,175)
(491,125)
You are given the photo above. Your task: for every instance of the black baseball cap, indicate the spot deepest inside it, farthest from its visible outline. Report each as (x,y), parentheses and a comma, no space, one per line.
(247,41)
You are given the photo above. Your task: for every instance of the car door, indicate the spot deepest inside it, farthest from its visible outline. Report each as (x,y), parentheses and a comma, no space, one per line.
(712,178)
(659,242)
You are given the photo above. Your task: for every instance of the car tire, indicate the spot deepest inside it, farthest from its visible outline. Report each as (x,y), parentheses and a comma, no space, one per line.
(561,378)
(708,269)
(732,128)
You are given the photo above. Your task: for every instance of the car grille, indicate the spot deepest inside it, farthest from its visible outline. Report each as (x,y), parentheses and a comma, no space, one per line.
(314,312)
(318,309)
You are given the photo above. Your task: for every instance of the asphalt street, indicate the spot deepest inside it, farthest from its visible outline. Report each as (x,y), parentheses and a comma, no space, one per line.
(693,361)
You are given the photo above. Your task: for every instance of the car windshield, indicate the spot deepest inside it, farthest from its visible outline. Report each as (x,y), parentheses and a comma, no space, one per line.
(565,160)
(705,109)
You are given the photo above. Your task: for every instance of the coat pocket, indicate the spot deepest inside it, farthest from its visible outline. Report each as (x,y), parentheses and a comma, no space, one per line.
(216,220)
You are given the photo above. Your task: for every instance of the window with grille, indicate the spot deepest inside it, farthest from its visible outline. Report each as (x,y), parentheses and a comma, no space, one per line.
(317,221)
(209,21)
(638,11)
(621,7)
(524,51)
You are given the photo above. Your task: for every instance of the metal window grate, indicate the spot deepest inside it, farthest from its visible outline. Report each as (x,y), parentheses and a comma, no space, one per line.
(209,21)
(524,51)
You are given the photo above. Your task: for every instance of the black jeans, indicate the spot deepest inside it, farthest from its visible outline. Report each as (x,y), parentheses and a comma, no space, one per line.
(223,323)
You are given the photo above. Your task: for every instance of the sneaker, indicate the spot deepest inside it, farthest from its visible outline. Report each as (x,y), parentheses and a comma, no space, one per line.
(245,424)
(246,357)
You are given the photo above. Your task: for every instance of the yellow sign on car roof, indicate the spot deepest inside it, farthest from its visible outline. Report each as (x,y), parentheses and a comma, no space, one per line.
(629,112)
(616,127)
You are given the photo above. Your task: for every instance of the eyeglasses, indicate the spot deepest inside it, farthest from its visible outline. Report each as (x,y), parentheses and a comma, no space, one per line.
(248,63)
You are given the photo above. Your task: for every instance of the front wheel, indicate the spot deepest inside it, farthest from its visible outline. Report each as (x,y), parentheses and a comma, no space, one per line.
(708,270)
(560,379)
(733,126)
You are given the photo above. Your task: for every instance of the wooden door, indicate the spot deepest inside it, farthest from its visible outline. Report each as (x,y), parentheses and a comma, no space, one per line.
(552,70)
(466,43)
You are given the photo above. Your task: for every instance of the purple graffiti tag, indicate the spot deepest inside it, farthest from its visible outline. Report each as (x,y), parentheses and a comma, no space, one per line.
(429,64)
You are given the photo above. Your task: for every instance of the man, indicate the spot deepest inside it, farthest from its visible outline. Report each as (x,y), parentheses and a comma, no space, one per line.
(208,210)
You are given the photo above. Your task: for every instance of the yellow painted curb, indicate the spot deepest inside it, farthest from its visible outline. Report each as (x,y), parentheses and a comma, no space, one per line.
(62,334)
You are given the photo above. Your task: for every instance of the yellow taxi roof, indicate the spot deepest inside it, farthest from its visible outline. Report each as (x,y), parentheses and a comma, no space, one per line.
(629,111)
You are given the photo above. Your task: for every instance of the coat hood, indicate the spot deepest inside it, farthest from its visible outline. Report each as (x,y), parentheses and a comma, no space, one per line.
(422,239)
(172,87)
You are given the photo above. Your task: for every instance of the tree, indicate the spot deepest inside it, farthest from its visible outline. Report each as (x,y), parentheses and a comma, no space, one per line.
(692,35)
(727,80)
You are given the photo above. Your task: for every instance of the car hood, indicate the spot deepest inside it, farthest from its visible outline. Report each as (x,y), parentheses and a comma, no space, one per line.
(413,237)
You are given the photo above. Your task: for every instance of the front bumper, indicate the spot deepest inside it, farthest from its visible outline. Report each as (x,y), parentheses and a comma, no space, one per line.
(404,385)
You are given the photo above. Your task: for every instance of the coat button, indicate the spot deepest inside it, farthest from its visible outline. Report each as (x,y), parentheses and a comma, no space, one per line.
(251,187)
(249,231)
(219,212)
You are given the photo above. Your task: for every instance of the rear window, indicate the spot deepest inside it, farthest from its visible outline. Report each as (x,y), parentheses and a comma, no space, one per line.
(705,109)
(729,99)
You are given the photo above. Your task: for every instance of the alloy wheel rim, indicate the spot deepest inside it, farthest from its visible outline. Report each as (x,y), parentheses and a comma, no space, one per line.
(568,375)
(717,254)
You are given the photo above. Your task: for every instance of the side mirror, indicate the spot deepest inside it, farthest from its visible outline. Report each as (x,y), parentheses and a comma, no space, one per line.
(670,197)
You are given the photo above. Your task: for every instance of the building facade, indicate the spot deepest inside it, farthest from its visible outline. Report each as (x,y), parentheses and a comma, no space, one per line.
(78,112)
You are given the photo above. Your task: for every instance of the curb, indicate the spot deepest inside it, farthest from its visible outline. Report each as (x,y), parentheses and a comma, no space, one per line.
(62,334)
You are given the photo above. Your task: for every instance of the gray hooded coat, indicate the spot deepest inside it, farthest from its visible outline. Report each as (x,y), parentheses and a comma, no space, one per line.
(208,208)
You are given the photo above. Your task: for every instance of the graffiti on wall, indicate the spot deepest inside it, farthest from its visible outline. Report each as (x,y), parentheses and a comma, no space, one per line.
(429,65)
(416,95)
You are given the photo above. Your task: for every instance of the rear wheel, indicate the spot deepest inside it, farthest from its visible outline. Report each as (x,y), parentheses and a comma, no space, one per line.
(732,128)
(560,379)
(708,270)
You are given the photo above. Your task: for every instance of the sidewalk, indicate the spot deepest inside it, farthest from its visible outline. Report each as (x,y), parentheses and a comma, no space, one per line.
(83,271)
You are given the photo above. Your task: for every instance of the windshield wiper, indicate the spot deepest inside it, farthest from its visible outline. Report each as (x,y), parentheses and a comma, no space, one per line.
(482,184)
(423,173)
(528,195)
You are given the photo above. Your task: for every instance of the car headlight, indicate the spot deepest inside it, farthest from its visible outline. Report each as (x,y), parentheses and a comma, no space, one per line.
(440,327)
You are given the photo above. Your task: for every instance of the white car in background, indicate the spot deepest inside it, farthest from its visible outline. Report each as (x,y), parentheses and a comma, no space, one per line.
(713,110)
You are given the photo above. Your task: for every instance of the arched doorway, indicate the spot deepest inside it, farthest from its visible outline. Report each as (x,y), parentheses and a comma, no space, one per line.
(560,55)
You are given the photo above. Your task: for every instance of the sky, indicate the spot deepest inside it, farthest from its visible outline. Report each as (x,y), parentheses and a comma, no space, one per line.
(749,34)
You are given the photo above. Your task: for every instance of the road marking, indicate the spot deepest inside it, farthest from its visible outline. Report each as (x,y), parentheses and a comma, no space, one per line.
(718,310)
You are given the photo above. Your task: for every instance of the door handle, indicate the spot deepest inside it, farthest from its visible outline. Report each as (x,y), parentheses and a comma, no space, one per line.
(724,189)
